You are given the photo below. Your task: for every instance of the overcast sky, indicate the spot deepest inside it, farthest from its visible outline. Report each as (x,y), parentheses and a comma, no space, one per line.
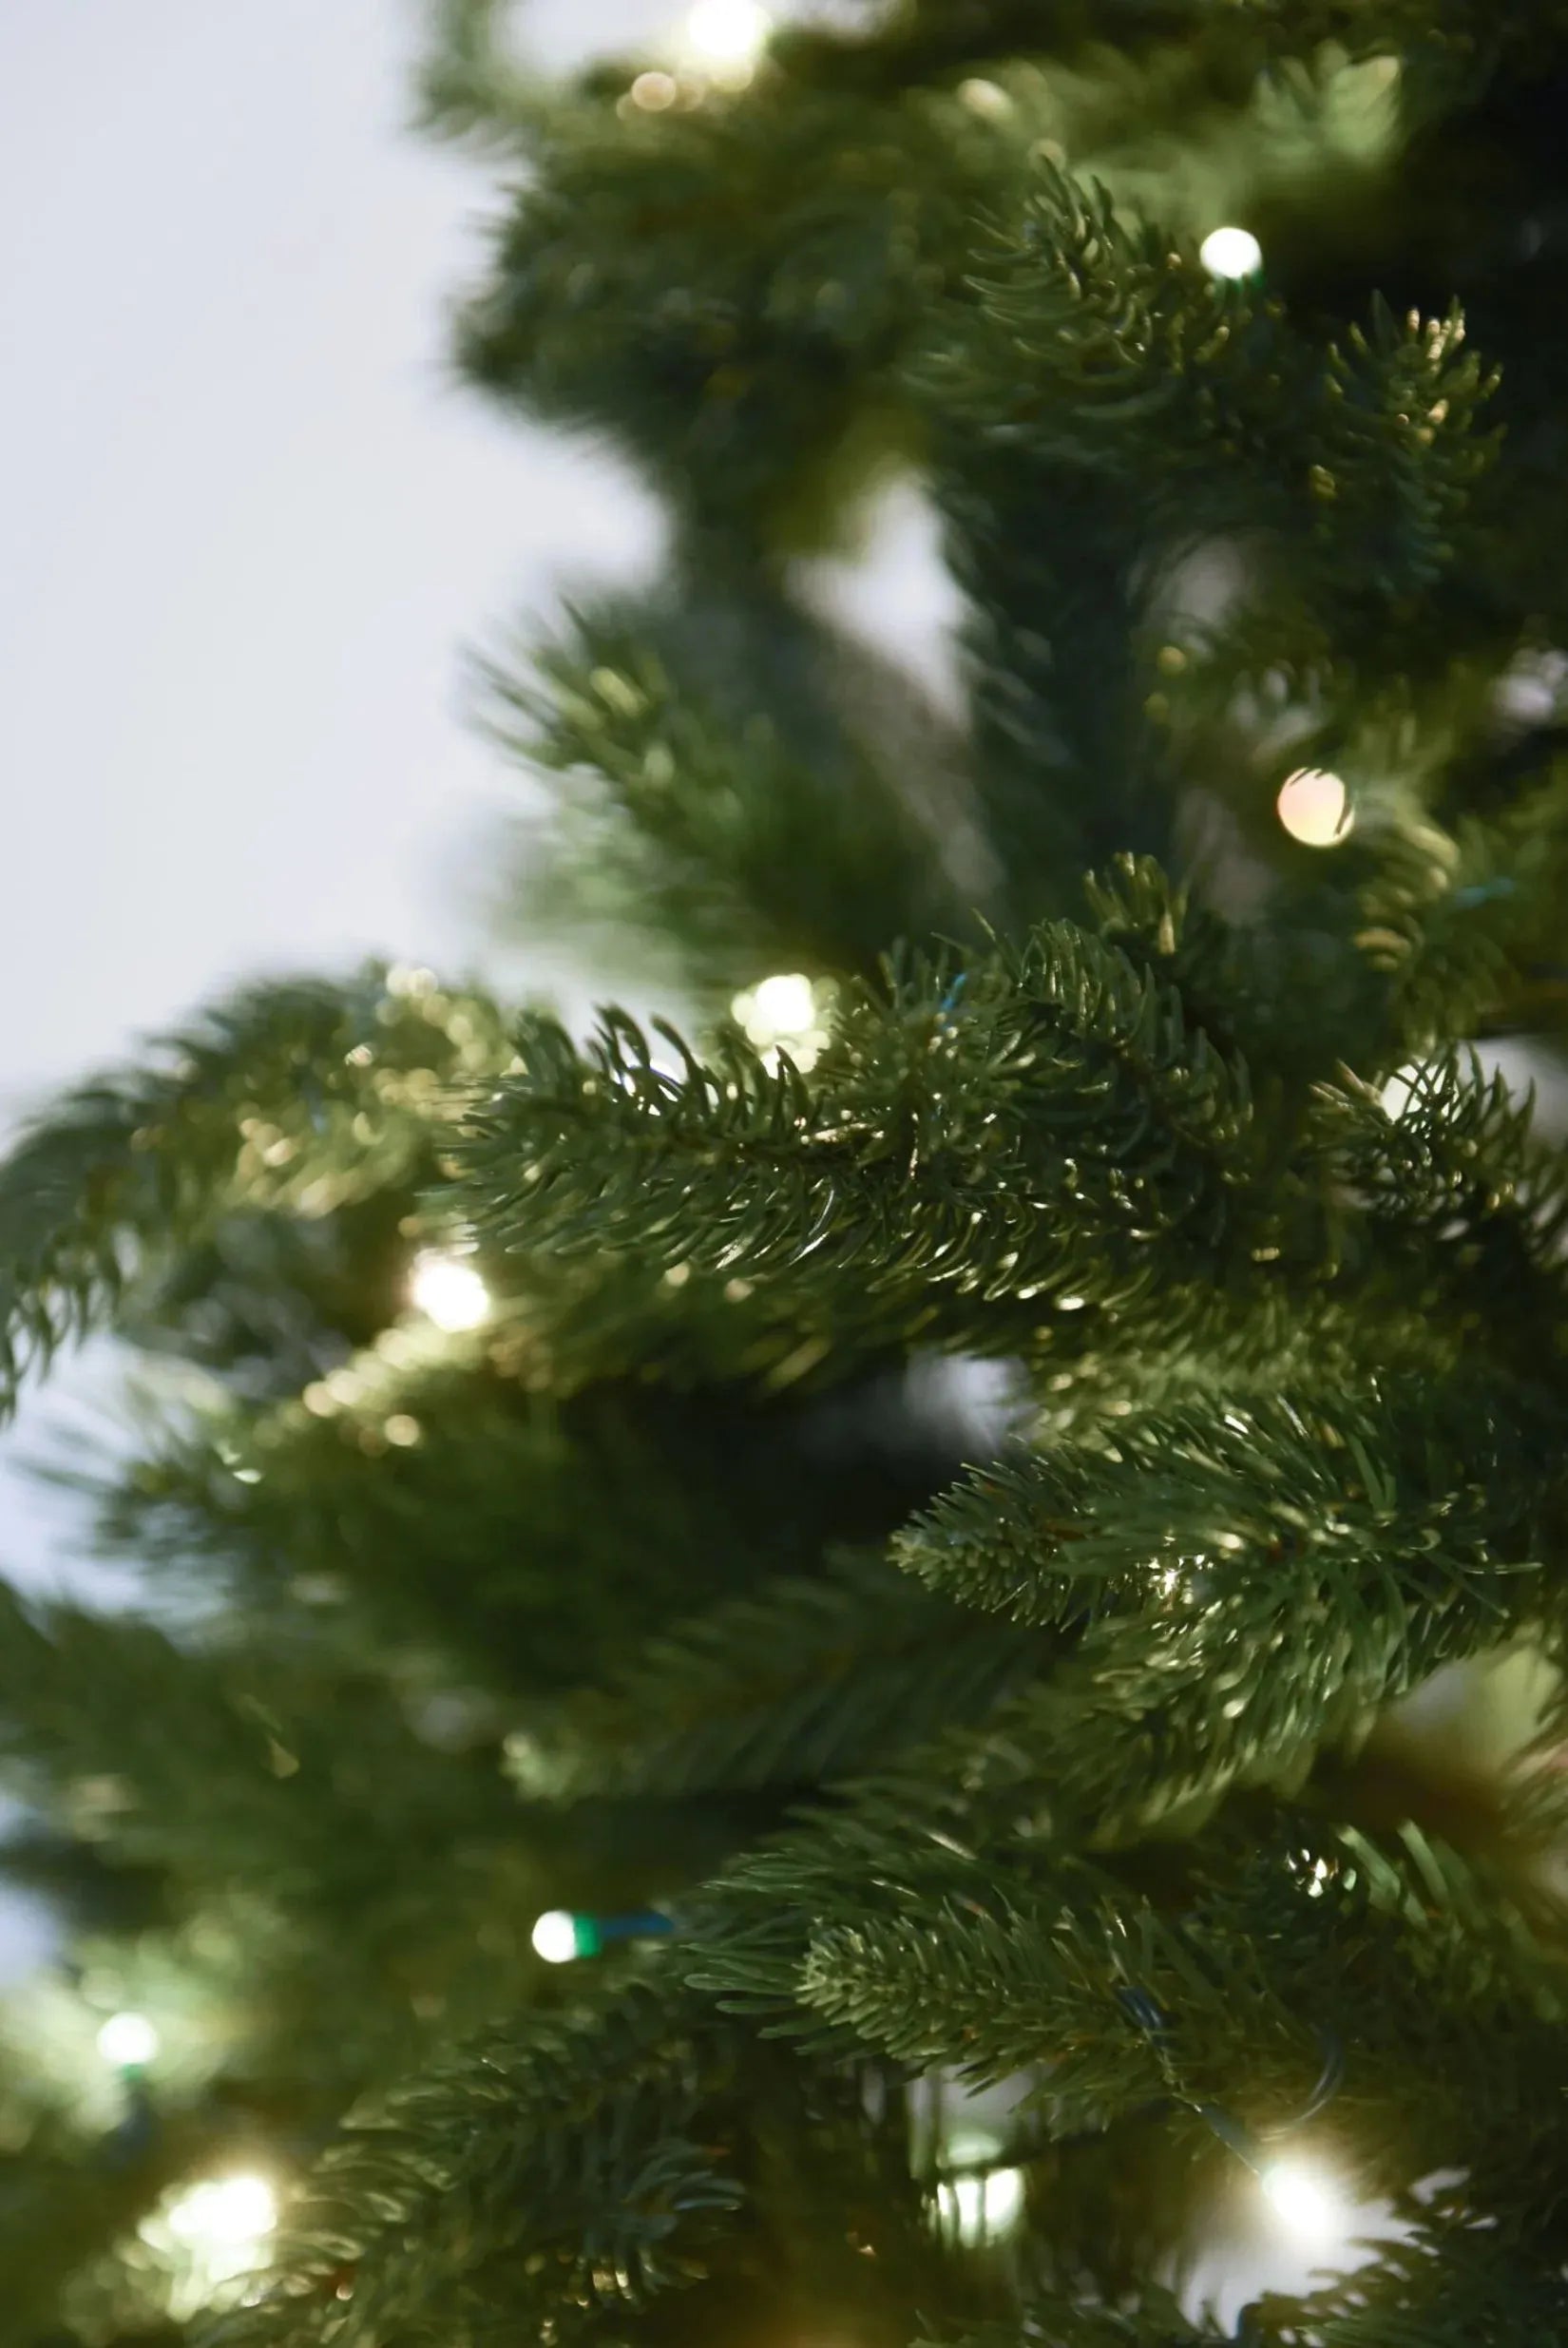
(248,518)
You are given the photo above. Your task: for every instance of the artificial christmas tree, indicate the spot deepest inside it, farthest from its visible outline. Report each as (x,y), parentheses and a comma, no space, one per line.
(626,1817)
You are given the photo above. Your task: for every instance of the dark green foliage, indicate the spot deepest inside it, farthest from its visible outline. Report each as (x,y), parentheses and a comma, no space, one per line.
(261,1104)
(1060,1755)
(745,832)
(1130,347)
(855,1662)
(518,1500)
(1002,1129)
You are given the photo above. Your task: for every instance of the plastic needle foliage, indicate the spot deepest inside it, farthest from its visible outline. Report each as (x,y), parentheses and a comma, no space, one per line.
(900,1525)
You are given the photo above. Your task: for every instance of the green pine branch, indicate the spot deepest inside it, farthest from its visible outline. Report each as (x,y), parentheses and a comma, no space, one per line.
(1370,1545)
(1039,1121)
(304,1095)
(1205,406)
(803,1682)
(575,2154)
(757,842)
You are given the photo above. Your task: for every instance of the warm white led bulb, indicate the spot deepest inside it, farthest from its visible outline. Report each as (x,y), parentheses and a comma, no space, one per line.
(1303,2201)
(962,2201)
(555,1936)
(980,2206)
(225,2213)
(1001,2199)
(128,2041)
(449,1291)
(785,1005)
(1230,253)
(1314,808)
(728,32)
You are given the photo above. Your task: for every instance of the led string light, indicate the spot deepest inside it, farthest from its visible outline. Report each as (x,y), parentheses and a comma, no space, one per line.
(129,2042)
(727,36)
(229,2214)
(215,2233)
(1230,252)
(981,2204)
(1301,2195)
(561,1934)
(447,1290)
(1315,808)
(787,1012)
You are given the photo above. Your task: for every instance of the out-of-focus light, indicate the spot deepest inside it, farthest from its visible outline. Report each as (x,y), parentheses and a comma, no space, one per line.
(225,2213)
(1230,253)
(1314,808)
(1001,2199)
(784,1005)
(961,2201)
(730,33)
(783,1011)
(653,92)
(559,1937)
(555,1936)
(1303,2201)
(449,1291)
(987,99)
(980,2207)
(128,2041)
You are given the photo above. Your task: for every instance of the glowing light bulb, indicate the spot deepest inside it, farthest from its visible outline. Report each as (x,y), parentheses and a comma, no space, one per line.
(653,91)
(1303,2201)
(981,2206)
(1314,808)
(225,2213)
(1001,2199)
(784,1005)
(961,2201)
(987,99)
(1230,253)
(449,1291)
(783,1011)
(728,32)
(128,2041)
(558,1937)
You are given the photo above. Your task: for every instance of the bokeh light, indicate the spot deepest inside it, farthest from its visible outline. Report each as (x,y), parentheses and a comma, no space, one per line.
(555,1936)
(731,33)
(1314,808)
(1230,253)
(1303,2200)
(449,1291)
(225,2213)
(653,92)
(979,2207)
(783,1011)
(129,2041)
